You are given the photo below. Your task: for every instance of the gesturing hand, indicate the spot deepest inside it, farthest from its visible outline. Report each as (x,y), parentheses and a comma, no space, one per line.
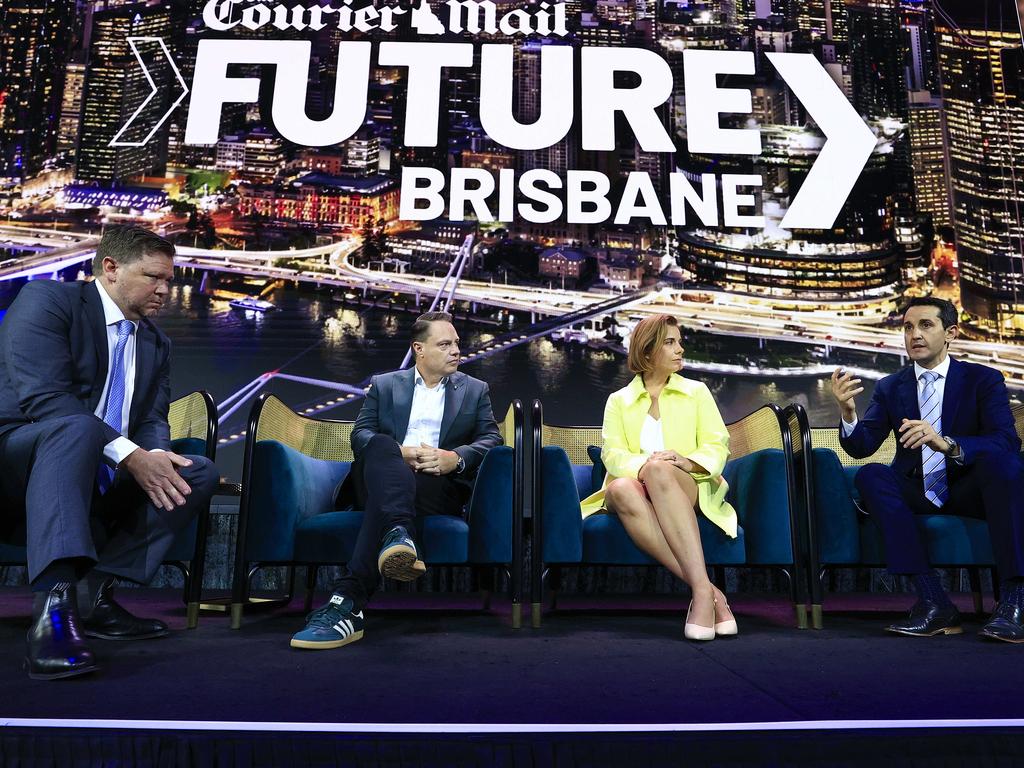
(915,433)
(844,389)
(156,472)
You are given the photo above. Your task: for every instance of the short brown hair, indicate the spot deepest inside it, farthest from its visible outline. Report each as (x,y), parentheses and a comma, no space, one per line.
(947,310)
(126,243)
(647,337)
(421,326)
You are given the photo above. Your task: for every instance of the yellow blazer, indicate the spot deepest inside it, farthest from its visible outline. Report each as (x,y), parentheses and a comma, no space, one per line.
(692,427)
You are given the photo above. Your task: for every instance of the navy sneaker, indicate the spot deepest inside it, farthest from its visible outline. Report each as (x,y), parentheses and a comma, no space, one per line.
(398,558)
(332,626)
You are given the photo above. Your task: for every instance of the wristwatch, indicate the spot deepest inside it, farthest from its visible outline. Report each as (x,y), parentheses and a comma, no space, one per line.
(461,466)
(954,447)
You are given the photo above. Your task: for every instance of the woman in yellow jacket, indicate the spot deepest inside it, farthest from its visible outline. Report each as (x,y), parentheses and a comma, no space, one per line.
(665,446)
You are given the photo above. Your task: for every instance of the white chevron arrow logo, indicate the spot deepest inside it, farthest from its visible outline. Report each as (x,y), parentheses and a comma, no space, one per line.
(116,142)
(848,143)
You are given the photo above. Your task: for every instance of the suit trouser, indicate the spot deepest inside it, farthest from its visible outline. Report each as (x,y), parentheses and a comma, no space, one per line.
(991,489)
(49,471)
(390,493)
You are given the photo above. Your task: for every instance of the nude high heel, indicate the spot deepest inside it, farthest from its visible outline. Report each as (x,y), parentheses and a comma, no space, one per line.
(728,627)
(696,631)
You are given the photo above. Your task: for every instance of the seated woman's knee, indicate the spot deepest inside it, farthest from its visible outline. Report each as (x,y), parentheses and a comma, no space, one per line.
(655,472)
(620,493)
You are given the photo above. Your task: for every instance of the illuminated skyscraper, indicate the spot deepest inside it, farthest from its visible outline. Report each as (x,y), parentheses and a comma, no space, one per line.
(878,66)
(116,86)
(877,59)
(820,19)
(928,157)
(71,108)
(982,69)
(919,27)
(34,39)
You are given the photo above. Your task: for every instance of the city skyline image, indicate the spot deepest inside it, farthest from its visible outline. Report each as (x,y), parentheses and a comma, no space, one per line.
(780,175)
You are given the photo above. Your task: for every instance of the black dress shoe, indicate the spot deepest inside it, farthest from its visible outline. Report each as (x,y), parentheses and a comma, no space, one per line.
(56,648)
(1006,624)
(111,621)
(927,618)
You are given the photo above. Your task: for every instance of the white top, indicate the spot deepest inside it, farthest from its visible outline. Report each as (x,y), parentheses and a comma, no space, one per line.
(117,449)
(425,414)
(651,437)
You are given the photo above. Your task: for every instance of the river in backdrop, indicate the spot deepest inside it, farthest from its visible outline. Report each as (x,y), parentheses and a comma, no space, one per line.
(313,334)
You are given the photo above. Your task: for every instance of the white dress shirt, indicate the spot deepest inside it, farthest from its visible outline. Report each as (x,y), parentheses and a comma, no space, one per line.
(425,414)
(117,449)
(940,388)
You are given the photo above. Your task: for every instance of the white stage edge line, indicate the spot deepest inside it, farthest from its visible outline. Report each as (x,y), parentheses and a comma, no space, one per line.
(488,728)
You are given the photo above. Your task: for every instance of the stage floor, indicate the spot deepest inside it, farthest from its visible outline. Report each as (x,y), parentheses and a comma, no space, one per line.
(433,659)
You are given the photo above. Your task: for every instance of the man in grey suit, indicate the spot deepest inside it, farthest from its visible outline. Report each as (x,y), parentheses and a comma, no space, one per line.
(419,439)
(88,477)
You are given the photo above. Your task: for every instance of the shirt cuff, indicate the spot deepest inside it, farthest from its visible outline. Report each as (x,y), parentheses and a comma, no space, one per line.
(117,450)
(848,426)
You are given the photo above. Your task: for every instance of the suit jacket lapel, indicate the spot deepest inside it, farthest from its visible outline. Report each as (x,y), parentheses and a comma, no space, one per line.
(145,353)
(401,399)
(454,395)
(98,327)
(908,395)
(951,394)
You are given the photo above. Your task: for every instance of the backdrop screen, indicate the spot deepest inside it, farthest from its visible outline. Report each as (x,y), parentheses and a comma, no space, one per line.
(779,175)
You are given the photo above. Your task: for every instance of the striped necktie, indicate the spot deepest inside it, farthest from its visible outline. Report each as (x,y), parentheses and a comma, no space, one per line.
(933,463)
(112,411)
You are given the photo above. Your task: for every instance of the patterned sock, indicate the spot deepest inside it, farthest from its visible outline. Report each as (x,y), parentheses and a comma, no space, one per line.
(57,572)
(1011,592)
(930,588)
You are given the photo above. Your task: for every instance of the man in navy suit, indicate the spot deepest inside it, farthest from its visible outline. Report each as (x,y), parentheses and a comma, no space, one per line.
(88,477)
(958,453)
(419,440)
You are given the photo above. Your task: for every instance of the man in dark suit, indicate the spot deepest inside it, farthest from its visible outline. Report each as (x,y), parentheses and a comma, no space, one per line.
(958,453)
(88,475)
(419,439)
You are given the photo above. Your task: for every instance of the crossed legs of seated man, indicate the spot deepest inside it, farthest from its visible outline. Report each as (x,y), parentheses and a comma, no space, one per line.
(990,490)
(75,532)
(392,495)
(659,512)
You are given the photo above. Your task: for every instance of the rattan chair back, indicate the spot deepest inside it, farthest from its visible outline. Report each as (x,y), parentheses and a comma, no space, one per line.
(188,417)
(322,439)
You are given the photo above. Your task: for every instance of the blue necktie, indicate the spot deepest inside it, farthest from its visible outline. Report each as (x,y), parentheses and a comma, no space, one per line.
(115,394)
(933,463)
